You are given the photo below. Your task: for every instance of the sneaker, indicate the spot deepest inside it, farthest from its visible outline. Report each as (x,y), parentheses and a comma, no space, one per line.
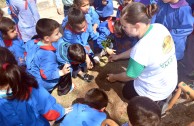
(87,77)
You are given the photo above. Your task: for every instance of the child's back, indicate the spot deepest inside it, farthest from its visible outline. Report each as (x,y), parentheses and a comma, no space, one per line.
(84,115)
(88,114)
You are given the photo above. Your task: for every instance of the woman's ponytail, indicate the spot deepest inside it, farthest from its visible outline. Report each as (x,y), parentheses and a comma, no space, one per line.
(151,9)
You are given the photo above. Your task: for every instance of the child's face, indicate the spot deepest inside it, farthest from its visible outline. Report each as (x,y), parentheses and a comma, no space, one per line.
(55,35)
(12,33)
(104,2)
(85,6)
(80,27)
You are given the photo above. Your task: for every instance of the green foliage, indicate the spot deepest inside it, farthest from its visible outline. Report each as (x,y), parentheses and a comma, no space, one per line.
(108,41)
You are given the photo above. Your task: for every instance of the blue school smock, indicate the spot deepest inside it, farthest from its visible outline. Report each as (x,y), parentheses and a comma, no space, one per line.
(61,51)
(178,19)
(91,17)
(42,64)
(40,108)
(25,15)
(16,46)
(83,115)
(94,15)
(80,38)
(104,11)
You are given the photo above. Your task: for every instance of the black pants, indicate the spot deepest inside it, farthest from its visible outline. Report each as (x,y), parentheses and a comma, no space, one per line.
(129,91)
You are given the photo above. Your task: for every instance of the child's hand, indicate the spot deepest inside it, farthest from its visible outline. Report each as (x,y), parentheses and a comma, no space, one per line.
(110,51)
(110,78)
(59,11)
(66,69)
(95,26)
(112,58)
(51,122)
(69,109)
(89,62)
(104,2)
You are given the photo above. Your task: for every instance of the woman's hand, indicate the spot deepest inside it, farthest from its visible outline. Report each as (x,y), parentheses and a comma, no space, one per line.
(111,78)
(113,58)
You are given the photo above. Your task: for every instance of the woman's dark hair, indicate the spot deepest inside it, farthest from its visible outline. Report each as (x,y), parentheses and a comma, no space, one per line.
(96,98)
(137,12)
(16,77)
(76,52)
(118,28)
(143,111)
(75,17)
(46,27)
(6,24)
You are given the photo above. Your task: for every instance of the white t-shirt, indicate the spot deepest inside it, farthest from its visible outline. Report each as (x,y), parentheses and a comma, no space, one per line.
(155,51)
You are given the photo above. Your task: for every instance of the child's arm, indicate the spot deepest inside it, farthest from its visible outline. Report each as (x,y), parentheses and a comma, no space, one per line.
(47,64)
(95,17)
(110,51)
(89,62)
(46,105)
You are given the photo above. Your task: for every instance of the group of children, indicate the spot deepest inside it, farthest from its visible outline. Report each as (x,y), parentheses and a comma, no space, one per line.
(53,57)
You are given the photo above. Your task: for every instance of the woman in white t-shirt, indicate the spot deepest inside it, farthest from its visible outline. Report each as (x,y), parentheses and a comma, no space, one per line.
(152,67)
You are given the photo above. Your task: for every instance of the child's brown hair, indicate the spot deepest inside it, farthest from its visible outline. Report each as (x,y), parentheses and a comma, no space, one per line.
(96,98)
(46,27)
(6,24)
(16,77)
(75,17)
(118,28)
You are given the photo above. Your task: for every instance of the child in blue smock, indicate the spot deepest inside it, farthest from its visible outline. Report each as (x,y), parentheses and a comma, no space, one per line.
(41,58)
(90,14)
(22,101)
(11,41)
(75,55)
(112,30)
(104,8)
(177,17)
(77,30)
(91,113)
(25,15)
